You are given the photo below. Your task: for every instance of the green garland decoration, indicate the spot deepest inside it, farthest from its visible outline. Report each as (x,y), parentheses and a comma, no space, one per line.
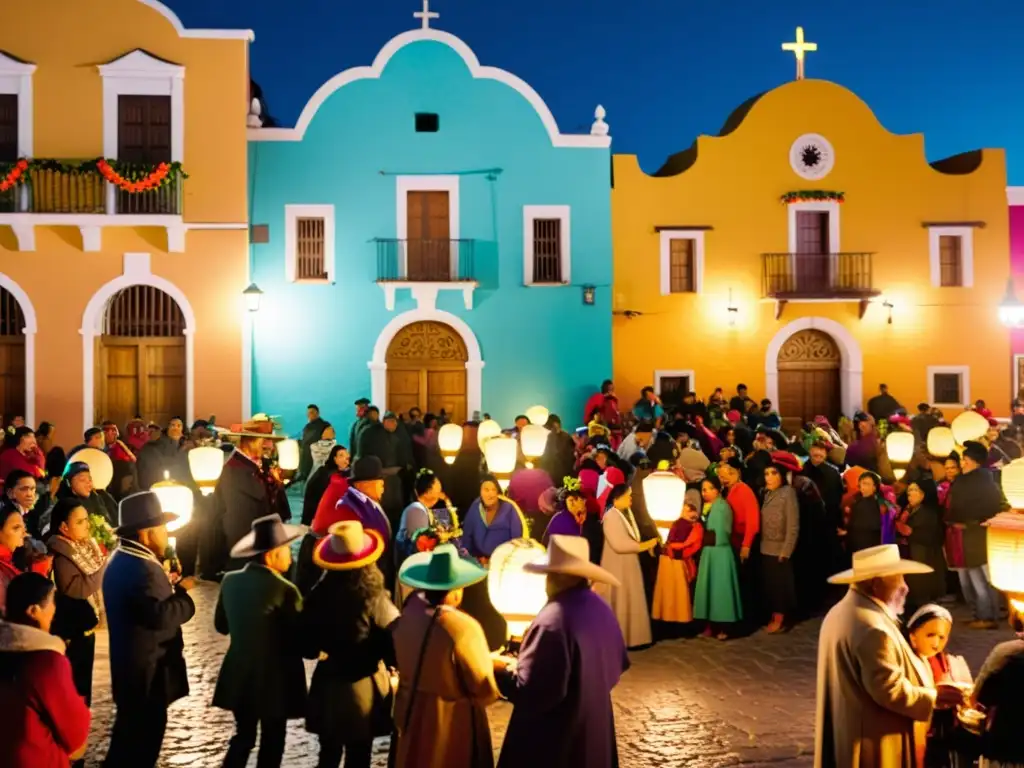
(130,177)
(812,196)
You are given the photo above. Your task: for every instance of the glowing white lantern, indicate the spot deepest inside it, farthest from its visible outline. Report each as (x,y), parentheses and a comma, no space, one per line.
(533,439)
(941,442)
(206,464)
(537,414)
(500,454)
(517,595)
(288,455)
(176,499)
(900,447)
(1006,551)
(1012,477)
(101,468)
(449,440)
(969,425)
(486,431)
(664,494)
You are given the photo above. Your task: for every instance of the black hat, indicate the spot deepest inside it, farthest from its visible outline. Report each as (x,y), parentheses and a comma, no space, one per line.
(362,401)
(268,533)
(140,511)
(367,468)
(976,452)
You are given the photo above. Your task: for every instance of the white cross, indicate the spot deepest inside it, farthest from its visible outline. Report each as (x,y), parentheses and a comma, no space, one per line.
(426,14)
(799,48)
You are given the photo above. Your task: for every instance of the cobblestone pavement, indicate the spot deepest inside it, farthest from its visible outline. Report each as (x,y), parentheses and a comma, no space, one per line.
(688,702)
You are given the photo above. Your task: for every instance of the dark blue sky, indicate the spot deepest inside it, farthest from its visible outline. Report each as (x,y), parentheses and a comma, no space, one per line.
(667,70)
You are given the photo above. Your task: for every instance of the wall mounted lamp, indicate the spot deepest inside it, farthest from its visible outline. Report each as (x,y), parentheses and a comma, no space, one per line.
(589,294)
(888,305)
(252,295)
(733,311)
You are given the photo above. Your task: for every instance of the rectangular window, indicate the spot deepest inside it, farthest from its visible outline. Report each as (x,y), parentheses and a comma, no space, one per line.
(8,127)
(427,122)
(144,129)
(309,249)
(950,261)
(674,388)
(948,388)
(309,242)
(681,266)
(547,250)
(546,245)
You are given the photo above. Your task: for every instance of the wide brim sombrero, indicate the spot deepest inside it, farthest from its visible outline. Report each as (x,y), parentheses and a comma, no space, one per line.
(444,570)
(259,425)
(877,562)
(348,546)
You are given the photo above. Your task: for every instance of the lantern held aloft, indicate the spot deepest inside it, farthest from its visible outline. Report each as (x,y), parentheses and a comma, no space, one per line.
(206,464)
(533,439)
(900,448)
(941,442)
(487,429)
(517,595)
(501,454)
(969,425)
(664,494)
(176,499)
(537,414)
(449,441)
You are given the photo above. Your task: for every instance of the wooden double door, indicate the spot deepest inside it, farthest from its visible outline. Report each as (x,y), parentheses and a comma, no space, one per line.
(426,369)
(809,379)
(140,377)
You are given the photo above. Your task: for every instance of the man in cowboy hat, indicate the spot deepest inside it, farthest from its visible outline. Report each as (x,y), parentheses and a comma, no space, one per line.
(572,655)
(875,696)
(362,502)
(262,679)
(145,611)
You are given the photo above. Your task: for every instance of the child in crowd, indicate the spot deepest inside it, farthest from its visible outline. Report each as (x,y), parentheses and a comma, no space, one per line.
(677,568)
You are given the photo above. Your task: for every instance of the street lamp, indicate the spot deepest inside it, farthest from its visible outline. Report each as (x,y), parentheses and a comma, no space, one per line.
(252,295)
(1011,310)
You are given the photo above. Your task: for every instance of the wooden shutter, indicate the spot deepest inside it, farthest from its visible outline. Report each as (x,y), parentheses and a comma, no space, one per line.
(950,263)
(310,249)
(812,232)
(547,250)
(144,129)
(946,387)
(681,267)
(8,127)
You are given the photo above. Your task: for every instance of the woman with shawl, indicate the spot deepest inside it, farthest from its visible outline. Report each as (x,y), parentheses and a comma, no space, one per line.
(872,517)
(102,509)
(569,520)
(921,524)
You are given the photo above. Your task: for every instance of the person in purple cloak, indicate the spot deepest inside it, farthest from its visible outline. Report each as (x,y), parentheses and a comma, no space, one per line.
(568,521)
(572,655)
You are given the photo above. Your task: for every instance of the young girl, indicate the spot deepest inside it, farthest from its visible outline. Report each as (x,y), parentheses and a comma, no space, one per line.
(677,568)
(928,632)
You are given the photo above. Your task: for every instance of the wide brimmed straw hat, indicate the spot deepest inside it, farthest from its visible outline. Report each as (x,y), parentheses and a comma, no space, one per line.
(348,546)
(267,534)
(259,425)
(444,570)
(876,562)
(570,555)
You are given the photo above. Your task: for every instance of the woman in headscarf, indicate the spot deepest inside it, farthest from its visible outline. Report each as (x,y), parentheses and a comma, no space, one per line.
(780,530)
(323,480)
(717,598)
(572,513)
(871,518)
(921,524)
(447,673)
(77,484)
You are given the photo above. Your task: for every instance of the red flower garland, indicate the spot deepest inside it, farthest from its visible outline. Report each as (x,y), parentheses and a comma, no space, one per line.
(152,181)
(14,177)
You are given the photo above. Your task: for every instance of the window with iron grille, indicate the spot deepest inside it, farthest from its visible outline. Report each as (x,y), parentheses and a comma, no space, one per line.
(547,250)
(947,388)
(681,263)
(673,389)
(143,311)
(309,249)
(309,242)
(951,261)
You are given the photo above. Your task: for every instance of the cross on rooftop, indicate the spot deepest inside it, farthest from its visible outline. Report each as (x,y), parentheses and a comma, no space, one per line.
(799,49)
(426,14)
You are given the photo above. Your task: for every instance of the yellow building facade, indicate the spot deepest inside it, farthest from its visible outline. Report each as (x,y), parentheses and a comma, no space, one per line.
(120,283)
(811,254)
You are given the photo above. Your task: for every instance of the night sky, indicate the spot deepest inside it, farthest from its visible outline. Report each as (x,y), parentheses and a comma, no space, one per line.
(667,71)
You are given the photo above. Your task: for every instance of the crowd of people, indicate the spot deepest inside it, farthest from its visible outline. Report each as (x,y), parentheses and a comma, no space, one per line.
(388,590)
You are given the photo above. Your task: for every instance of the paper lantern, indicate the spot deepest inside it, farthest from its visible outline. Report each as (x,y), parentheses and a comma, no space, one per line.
(501,453)
(517,595)
(533,439)
(537,414)
(101,468)
(1012,478)
(1006,551)
(176,499)
(288,455)
(900,447)
(486,431)
(941,442)
(969,425)
(664,494)
(449,440)
(206,464)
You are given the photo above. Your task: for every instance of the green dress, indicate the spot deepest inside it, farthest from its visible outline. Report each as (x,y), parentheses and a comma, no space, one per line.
(717,594)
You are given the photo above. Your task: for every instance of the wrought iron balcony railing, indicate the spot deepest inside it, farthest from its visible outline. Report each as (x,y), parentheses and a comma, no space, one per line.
(817,275)
(427,261)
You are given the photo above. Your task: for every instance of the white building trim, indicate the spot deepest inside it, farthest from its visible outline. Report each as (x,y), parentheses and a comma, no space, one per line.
(393,46)
(91,225)
(406,184)
(666,236)
(851,368)
(966,235)
(964,372)
(829,207)
(203,34)
(1015,195)
(29,330)
(136,272)
(291,214)
(16,78)
(564,214)
(659,375)
(474,365)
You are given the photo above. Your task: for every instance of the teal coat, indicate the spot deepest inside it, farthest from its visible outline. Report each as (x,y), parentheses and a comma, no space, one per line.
(262,673)
(717,594)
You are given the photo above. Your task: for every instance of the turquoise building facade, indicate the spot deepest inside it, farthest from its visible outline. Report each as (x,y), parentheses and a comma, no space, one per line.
(432,239)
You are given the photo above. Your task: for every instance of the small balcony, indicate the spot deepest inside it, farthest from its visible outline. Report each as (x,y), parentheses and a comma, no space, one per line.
(795,276)
(426,266)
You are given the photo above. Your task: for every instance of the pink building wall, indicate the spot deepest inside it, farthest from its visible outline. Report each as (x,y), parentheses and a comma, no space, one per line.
(1015,196)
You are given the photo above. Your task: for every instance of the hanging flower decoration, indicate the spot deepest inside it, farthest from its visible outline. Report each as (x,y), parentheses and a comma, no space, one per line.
(813,196)
(426,539)
(15,175)
(134,179)
(128,177)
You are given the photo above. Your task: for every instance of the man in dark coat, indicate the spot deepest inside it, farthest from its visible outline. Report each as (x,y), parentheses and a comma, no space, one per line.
(831,488)
(162,454)
(145,611)
(262,680)
(362,408)
(974,497)
(388,441)
(312,432)
(883,405)
(362,502)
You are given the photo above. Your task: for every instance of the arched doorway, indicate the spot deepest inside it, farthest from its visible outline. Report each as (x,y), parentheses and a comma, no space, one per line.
(809,364)
(12,357)
(141,357)
(426,368)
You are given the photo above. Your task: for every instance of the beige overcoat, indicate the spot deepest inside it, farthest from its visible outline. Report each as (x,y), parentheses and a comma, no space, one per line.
(621,557)
(447,726)
(875,696)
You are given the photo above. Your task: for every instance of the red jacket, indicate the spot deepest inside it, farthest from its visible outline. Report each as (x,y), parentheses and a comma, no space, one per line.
(746,515)
(12,459)
(327,513)
(45,720)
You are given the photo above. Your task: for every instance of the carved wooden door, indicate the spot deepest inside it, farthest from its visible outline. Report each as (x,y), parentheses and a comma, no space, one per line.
(426,368)
(809,382)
